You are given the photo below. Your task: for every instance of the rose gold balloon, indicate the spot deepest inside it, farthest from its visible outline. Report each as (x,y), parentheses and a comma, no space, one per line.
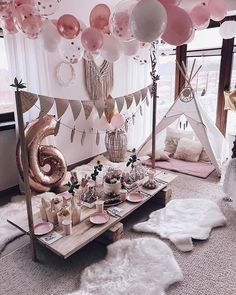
(8,25)
(68,26)
(40,155)
(99,17)
(5,9)
(92,39)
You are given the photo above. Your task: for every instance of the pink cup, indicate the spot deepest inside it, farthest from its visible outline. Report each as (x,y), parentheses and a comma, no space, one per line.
(123,194)
(67,226)
(99,206)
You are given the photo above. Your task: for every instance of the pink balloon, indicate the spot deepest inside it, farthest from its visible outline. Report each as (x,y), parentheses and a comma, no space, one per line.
(92,39)
(47,7)
(118,121)
(200,15)
(9,26)
(68,26)
(20,2)
(5,9)
(99,17)
(170,2)
(218,9)
(28,20)
(179,26)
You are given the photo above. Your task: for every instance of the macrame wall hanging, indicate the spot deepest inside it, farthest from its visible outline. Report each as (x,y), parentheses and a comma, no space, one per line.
(98,79)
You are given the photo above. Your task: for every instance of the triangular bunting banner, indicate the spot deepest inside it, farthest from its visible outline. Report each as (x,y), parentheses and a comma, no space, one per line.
(109,109)
(99,105)
(61,105)
(88,107)
(120,103)
(27,100)
(137,97)
(144,92)
(75,108)
(46,104)
(57,127)
(129,100)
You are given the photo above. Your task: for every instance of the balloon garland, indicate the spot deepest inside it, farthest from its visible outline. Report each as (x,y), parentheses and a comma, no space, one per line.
(123,29)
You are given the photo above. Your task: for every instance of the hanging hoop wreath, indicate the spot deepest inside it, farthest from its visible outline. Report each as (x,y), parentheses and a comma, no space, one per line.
(65,74)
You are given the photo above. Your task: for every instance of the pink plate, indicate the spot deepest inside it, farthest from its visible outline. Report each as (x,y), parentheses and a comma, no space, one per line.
(135,197)
(43,228)
(99,218)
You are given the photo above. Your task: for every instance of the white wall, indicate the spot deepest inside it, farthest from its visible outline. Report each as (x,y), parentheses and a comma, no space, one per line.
(8,170)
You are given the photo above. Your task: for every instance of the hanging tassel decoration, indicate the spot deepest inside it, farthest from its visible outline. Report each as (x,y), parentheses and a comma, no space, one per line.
(141,110)
(133,119)
(72,135)
(97,138)
(57,127)
(147,101)
(83,137)
(126,125)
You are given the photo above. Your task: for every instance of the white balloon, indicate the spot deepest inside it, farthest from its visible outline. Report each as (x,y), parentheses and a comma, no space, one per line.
(130,48)
(49,36)
(148,20)
(91,55)
(143,56)
(71,50)
(228,29)
(111,49)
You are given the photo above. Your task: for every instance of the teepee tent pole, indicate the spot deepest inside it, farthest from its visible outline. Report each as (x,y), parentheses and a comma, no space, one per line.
(25,172)
(197,71)
(191,73)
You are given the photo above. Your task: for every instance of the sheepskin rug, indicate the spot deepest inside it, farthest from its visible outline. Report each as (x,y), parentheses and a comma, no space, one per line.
(183,220)
(9,232)
(139,266)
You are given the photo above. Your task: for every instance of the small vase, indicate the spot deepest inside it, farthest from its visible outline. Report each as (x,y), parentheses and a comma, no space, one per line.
(75,212)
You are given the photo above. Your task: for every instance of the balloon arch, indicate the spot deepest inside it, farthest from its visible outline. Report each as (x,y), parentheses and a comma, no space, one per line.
(127,28)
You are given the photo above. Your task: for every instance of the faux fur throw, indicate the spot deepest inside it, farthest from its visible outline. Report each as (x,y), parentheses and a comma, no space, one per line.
(183,220)
(9,232)
(139,266)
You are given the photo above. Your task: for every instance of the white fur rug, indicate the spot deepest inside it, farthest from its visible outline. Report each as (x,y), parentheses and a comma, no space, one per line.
(139,266)
(9,232)
(184,219)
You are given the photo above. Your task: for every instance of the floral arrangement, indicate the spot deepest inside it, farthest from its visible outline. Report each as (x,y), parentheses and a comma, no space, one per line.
(112,176)
(132,159)
(73,183)
(96,171)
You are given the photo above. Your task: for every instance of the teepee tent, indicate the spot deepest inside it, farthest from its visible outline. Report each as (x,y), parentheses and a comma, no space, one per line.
(186,104)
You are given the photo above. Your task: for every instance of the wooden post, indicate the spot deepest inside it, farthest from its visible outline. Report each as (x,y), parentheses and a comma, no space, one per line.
(155,78)
(24,155)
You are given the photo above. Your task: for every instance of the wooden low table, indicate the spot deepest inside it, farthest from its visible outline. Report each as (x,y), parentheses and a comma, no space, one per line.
(85,231)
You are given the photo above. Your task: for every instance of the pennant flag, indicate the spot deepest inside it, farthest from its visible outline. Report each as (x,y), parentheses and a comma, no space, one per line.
(61,105)
(75,108)
(72,135)
(126,125)
(57,127)
(99,105)
(27,100)
(129,100)
(109,109)
(133,119)
(83,137)
(120,103)
(137,96)
(144,92)
(97,138)
(88,107)
(46,104)
(141,110)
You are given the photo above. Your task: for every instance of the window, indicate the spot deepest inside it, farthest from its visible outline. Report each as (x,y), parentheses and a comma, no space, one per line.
(6,98)
(207,52)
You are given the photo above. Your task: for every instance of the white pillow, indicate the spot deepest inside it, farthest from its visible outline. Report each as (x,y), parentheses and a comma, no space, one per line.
(160,155)
(173,136)
(188,150)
